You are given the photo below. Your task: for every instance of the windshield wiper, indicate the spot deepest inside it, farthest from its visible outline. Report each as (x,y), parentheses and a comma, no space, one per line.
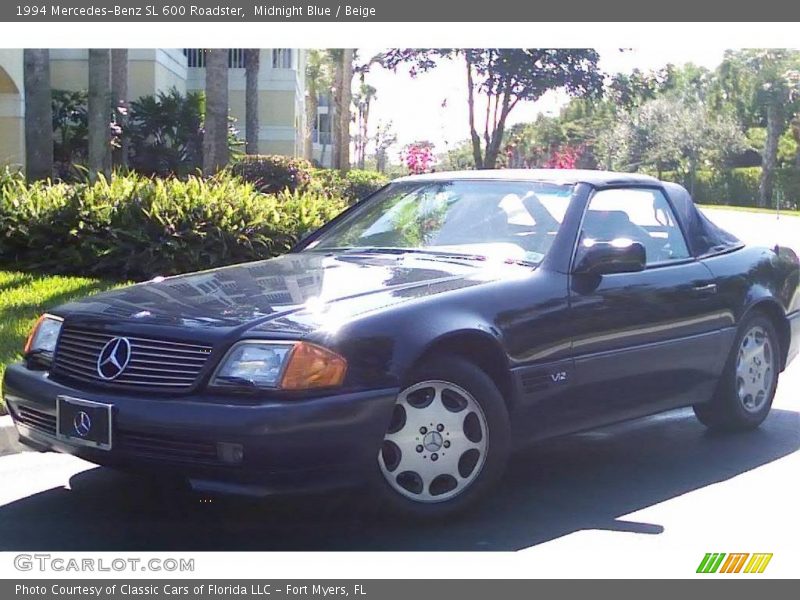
(434,254)
(399,251)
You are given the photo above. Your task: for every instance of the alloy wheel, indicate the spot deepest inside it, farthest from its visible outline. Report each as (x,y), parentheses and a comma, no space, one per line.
(436,443)
(755,367)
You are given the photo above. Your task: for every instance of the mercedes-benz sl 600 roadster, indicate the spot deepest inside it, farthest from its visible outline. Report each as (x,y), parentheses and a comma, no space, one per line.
(414,342)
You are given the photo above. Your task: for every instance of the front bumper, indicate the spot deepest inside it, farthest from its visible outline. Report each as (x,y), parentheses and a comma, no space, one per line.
(289,446)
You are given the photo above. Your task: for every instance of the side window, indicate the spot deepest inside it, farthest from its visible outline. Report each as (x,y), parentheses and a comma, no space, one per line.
(641,215)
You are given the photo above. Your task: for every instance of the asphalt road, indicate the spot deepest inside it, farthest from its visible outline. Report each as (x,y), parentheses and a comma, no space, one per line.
(661,482)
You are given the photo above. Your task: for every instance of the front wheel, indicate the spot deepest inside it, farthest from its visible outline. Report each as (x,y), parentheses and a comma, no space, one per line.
(447,442)
(745,392)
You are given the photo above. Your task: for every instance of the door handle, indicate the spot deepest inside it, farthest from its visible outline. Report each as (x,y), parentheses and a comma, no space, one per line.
(705,288)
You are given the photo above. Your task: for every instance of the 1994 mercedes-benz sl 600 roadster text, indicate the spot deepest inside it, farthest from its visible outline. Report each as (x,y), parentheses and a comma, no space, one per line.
(415,341)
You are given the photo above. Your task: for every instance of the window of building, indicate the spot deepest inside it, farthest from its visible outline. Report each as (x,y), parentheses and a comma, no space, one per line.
(282,58)
(196,58)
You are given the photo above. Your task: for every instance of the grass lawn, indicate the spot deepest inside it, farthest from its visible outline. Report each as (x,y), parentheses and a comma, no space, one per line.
(24,296)
(771,211)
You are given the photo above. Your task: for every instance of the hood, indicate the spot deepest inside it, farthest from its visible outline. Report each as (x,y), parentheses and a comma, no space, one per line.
(254,293)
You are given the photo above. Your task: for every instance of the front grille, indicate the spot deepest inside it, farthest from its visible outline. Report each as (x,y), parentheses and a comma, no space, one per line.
(36,419)
(166,447)
(153,363)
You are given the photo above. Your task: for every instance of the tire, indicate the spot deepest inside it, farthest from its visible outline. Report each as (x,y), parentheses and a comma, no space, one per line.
(744,394)
(447,444)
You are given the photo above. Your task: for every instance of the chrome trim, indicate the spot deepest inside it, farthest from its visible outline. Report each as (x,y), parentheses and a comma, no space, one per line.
(78,441)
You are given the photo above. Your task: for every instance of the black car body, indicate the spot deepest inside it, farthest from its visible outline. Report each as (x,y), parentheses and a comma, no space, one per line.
(567,349)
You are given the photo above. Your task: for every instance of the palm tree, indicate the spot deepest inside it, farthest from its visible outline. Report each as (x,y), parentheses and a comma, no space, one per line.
(318,82)
(215,139)
(119,95)
(38,115)
(251,65)
(99,111)
(362,101)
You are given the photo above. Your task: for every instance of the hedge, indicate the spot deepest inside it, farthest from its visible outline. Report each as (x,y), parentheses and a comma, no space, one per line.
(353,186)
(133,227)
(738,187)
(272,174)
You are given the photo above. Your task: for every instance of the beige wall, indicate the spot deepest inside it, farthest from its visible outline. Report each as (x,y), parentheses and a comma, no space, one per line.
(276,108)
(12,141)
(12,109)
(11,75)
(72,75)
(276,147)
(149,72)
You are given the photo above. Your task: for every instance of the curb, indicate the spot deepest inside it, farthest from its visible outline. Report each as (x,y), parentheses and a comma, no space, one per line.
(9,443)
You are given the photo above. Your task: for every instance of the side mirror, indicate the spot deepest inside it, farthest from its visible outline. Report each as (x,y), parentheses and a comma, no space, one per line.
(604,258)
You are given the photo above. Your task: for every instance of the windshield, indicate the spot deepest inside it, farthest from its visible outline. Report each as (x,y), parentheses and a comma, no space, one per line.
(514,220)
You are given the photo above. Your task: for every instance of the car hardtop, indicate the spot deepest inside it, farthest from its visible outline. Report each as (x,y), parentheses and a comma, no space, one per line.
(556,176)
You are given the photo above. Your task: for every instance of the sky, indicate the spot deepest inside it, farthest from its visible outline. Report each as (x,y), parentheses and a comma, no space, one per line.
(433,105)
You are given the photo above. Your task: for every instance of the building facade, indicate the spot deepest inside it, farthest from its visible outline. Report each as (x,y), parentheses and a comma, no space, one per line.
(281,85)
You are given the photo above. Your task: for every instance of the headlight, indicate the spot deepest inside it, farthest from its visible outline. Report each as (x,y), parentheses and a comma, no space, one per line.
(44,335)
(282,365)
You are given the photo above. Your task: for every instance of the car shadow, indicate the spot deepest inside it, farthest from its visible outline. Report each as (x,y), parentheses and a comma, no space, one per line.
(580,482)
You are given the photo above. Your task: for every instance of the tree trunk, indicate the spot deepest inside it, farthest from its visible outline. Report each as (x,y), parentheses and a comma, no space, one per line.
(251,63)
(345,111)
(119,94)
(769,159)
(477,153)
(336,122)
(38,115)
(215,138)
(362,157)
(99,112)
(496,130)
(312,107)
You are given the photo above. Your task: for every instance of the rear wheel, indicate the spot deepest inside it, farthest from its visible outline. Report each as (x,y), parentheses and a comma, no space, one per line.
(447,442)
(745,392)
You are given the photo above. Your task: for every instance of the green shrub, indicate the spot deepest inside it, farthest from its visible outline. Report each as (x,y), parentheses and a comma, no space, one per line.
(738,187)
(354,186)
(271,174)
(165,133)
(361,184)
(70,131)
(133,227)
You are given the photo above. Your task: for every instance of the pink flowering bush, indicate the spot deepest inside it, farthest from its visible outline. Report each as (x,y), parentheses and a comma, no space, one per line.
(563,158)
(418,158)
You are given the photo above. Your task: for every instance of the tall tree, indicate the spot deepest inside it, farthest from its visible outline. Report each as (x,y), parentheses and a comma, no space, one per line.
(362,102)
(251,66)
(215,138)
(503,78)
(99,112)
(38,115)
(119,95)
(764,79)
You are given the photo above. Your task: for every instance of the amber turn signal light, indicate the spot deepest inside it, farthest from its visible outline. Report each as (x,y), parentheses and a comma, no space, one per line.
(311,366)
(32,334)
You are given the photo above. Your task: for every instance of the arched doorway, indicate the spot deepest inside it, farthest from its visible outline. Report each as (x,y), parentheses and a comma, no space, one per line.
(12,115)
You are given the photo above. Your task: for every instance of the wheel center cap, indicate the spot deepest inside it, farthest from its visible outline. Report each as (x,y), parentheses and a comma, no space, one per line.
(432,441)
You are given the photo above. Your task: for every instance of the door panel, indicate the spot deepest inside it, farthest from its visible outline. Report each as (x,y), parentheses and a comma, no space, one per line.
(644,341)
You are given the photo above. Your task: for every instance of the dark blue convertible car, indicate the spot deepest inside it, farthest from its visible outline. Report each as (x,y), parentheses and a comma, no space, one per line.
(419,338)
